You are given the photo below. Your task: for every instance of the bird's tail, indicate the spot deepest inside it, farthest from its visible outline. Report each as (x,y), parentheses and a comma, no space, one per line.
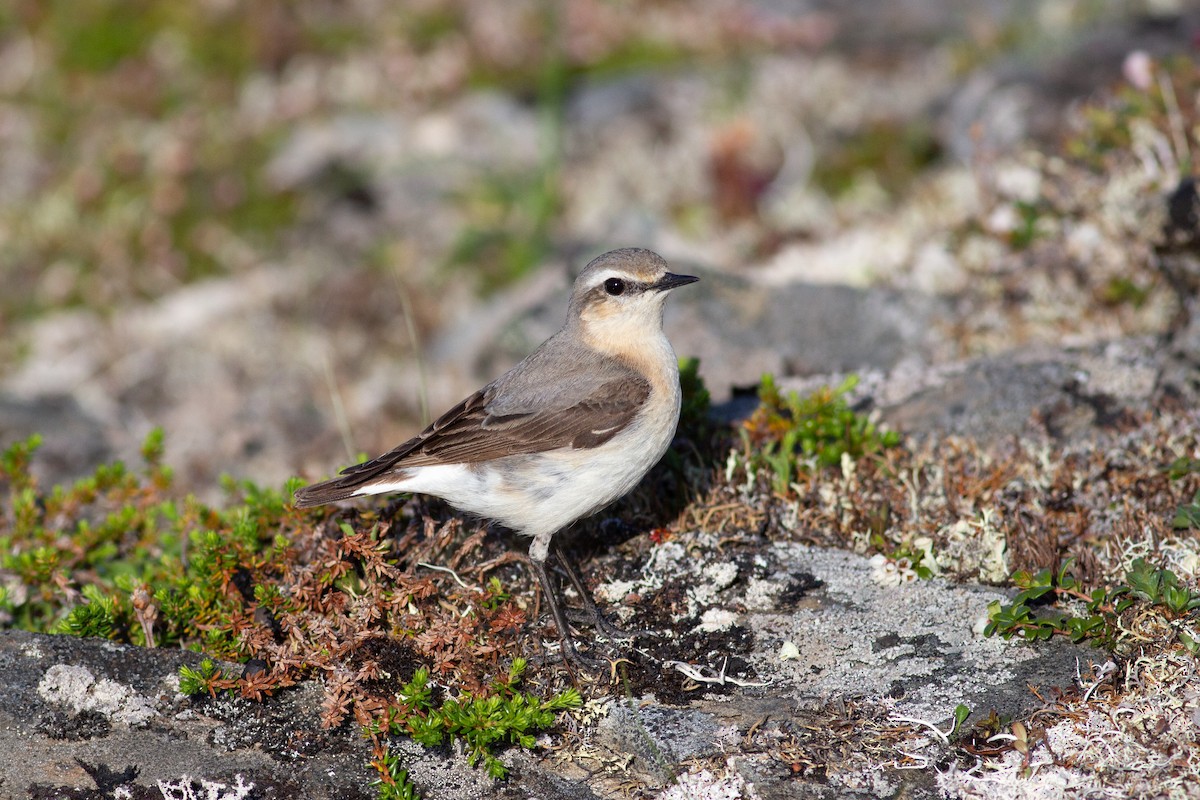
(358,479)
(330,491)
(354,481)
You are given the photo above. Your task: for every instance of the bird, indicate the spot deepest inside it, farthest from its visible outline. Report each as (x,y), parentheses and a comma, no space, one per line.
(573,427)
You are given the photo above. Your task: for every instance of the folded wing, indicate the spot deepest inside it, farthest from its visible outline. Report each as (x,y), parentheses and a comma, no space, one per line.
(512,416)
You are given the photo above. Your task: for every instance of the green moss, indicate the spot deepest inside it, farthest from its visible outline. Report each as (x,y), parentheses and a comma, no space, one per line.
(98,35)
(503,716)
(199,681)
(508,233)
(115,531)
(788,433)
(426,28)
(1187,515)
(155,179)
(893,152)
(1123,291)
(697,402)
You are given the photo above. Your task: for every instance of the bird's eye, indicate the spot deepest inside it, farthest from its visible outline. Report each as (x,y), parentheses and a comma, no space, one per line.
(614,286)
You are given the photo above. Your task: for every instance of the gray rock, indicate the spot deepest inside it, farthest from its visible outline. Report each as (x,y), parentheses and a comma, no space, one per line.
(740,331)
(221,365)
(77,712)
(899,652)
(1071,393)
(867,657)
(988,399)
(915,644)
(658,737)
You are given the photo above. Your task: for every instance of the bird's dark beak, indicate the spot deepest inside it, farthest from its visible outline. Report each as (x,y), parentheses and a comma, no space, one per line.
(672,281)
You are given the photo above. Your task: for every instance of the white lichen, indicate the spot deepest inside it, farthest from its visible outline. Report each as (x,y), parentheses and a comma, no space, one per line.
(704,785)
(888,571)
(76,688)
(717,619)
(182,789)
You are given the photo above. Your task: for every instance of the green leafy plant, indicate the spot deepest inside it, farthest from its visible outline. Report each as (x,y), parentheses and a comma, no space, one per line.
(892,153)
(1144,584)
(199,681)
(961,712)
(698,439)
(116,527)
(510,234)
(1188,514)
(513,215)
(14,463)
(495,596)
(93,618)
(482,722)
(1026,230)
(393,781)
(787,433)
(1160,587)
(1111,123)
(1182,467)
(1123,291)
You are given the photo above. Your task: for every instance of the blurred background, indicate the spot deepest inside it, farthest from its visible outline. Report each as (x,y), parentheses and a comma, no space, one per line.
(288,230)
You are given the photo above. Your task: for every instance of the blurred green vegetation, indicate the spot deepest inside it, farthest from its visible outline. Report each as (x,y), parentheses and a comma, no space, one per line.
(149,124)
(146,174)
(1167,108)
(143,128)
(892,152)
(516,224)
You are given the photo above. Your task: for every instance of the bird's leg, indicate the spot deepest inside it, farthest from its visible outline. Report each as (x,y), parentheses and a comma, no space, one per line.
(589,603)
(569,652)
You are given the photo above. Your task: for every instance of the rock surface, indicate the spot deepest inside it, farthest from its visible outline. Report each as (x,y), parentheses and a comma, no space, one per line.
(82,717)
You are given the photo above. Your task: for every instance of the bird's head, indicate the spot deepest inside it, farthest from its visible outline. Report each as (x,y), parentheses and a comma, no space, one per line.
(618,298)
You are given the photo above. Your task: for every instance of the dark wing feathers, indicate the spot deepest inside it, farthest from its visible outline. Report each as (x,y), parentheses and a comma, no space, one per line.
(469,434)
(585,414)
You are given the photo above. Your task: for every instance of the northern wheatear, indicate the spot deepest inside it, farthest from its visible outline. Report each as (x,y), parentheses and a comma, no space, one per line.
(564,433)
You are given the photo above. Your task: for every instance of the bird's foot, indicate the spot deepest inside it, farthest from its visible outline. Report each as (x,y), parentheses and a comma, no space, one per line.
(598,620)
(610,630)
(575,660)
(607,629)
(580,664)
